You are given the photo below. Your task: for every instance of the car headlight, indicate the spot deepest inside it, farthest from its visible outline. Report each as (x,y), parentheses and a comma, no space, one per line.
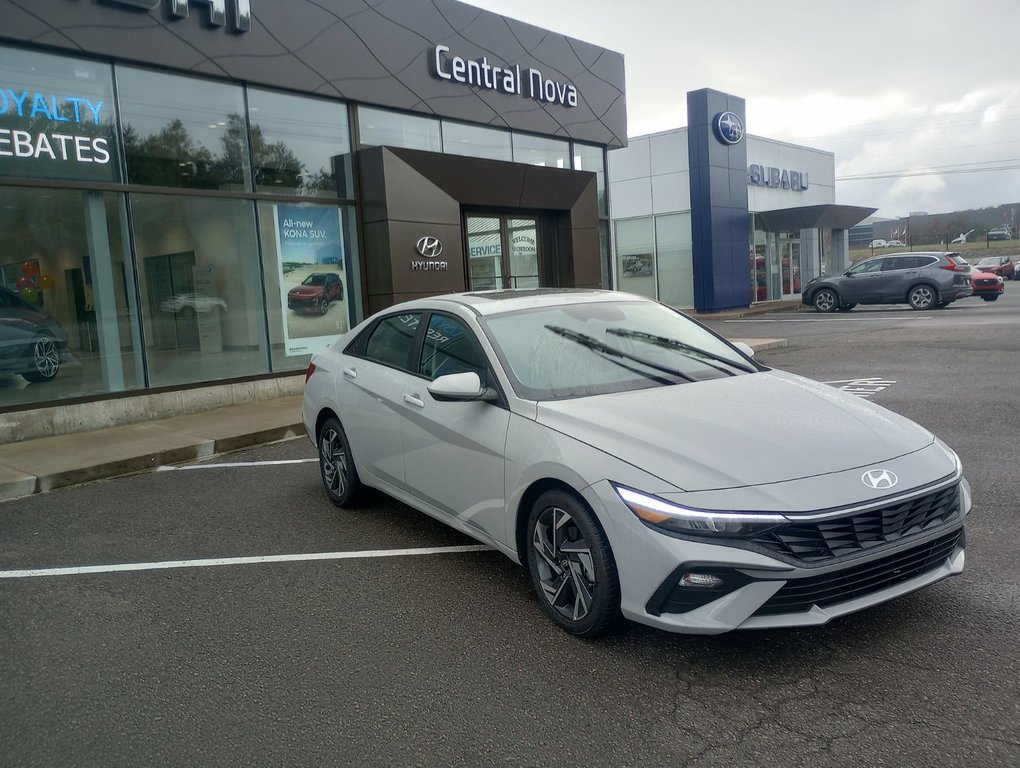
(673,518)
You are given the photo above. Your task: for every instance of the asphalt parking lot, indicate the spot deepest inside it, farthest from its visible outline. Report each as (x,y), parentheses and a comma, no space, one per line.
(251,622)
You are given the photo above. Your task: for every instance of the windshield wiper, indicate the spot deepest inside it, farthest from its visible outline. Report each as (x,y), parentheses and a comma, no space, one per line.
(599,346)
(680,346)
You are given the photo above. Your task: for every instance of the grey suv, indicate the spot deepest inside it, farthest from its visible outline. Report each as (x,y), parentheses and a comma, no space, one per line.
(923,280)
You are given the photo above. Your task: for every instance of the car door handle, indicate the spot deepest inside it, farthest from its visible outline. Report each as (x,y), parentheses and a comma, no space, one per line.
(414,400)
(350,373)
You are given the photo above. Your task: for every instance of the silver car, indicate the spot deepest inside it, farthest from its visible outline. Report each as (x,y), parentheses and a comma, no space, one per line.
(635,462)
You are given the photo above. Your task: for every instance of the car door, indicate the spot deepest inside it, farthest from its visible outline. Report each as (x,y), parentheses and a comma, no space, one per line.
(899,273)
(860,285)
(454,451)
(370,389)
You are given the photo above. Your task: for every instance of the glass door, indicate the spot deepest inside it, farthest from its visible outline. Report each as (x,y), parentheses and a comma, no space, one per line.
(504,251)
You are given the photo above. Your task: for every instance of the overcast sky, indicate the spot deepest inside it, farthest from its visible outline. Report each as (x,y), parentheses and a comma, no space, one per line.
(893,87)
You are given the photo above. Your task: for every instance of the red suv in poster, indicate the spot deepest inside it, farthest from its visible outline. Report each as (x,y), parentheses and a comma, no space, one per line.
(316,292)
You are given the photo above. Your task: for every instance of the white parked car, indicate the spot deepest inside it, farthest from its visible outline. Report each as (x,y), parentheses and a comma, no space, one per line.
(893,244)
(193,303)
(635,462)
(877,244)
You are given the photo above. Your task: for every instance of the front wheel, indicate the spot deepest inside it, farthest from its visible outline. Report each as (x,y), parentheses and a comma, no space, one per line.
(572,567)
(324,305)
(45,360)
(336,466)
(921,297)
(826,300)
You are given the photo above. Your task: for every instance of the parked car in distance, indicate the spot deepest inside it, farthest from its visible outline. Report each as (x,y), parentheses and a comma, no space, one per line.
(928,280)
(877,244)
(635,462)
(32,343)
(998,265)
(998,234)
(316,292)
(988,285)
(192,303)
(893,244)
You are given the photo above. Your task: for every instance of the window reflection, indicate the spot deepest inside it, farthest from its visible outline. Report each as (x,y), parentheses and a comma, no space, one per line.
(67,298)
(200,287)
(535,150)
(183,131)
(301,146)
(589,158)
(379,127)
(475,141)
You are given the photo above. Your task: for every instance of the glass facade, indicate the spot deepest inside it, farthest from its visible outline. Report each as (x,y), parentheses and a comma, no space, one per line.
(164,230)
(109,288)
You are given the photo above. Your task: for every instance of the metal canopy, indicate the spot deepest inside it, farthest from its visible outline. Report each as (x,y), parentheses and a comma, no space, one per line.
(814,216)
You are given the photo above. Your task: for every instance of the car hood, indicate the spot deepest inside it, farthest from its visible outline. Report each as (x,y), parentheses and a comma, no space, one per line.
(767,427)
(306,290)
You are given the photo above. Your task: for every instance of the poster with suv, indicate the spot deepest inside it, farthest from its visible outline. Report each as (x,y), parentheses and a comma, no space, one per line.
(312,283)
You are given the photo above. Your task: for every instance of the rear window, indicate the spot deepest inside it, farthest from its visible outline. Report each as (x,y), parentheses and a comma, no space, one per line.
(959,259)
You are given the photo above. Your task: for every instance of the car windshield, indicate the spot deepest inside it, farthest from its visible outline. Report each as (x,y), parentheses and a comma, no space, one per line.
(577,350)
(314,280)
(989,261)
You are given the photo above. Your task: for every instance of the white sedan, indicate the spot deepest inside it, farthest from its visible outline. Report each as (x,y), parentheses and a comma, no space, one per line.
(635,462)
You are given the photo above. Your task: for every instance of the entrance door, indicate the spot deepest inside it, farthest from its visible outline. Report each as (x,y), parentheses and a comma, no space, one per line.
(504,251)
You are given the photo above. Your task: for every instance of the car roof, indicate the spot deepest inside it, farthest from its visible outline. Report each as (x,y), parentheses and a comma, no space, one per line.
(510,300)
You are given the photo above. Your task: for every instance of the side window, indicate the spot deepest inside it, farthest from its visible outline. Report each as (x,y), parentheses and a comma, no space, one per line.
(450,347)
(391,340)
(898,262)
(865,267)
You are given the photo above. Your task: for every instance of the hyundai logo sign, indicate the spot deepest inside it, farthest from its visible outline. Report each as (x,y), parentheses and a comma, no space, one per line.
(429,247)
(728,128)
(879,479)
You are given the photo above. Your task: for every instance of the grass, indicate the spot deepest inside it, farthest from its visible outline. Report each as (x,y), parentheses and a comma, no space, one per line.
(970,251)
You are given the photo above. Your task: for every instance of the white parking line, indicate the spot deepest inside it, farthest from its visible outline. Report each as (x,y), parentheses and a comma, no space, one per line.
(209,563)
(235,464)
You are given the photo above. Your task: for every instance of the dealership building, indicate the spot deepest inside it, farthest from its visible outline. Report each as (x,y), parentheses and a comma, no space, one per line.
(708,217)
(202,194)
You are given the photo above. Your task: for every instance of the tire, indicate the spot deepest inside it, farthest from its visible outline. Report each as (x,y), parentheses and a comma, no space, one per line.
(922,297)
(992,297)
(572,567)
(847,307)
(340,293)
(336,466)
(45,360)
(825,300)
(324,305)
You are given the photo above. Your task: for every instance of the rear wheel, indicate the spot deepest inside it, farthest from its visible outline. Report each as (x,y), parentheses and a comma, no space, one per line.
(571,565)
(922,297)
(826,300)
(336,466)
(45,360)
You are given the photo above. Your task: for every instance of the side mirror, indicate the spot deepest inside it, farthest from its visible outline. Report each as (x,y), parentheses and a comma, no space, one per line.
(747,349)
(460,387)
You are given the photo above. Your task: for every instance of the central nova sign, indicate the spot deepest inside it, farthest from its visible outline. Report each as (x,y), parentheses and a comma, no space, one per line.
(240,10)
(502,78)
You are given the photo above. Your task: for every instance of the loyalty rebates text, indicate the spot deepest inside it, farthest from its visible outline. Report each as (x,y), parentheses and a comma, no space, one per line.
(69,115)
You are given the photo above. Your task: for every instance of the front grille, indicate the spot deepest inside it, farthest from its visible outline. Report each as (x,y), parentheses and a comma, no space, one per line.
(986,282)
(821,540)
(799,595)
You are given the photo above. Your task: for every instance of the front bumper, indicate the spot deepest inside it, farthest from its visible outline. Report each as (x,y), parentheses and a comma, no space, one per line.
(761,589)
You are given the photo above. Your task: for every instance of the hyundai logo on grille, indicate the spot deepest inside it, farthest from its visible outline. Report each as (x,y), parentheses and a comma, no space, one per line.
(728,128)
(429,247)
(879,479)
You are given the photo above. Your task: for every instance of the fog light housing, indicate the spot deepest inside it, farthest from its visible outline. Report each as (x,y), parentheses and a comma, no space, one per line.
(695,580)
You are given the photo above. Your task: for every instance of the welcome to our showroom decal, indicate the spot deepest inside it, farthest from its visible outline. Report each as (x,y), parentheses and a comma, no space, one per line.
(68,119)
(479,72)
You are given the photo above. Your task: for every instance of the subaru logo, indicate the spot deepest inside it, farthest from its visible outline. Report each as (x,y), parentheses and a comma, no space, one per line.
(429,247)
(879,479)
(728,128)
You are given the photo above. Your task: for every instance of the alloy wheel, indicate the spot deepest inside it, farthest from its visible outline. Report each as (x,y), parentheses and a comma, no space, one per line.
(566,570)
(334,461)
(922,297)
(45,357)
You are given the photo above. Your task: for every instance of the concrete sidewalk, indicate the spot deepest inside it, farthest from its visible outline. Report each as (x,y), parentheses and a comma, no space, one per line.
(47,463)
